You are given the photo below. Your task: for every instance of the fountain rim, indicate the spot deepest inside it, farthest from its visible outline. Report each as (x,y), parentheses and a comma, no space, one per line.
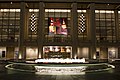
(47,66)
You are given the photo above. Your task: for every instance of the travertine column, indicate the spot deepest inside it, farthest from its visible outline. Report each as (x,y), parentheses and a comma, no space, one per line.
(117,30)
(117,25)
(119,52)
(92,32)
(22,51)
(41,29)
(74,31)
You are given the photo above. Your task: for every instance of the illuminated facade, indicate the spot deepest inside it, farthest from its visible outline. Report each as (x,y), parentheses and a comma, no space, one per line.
(31,29)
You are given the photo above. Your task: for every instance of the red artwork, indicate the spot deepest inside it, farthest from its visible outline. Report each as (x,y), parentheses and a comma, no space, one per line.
(57,26)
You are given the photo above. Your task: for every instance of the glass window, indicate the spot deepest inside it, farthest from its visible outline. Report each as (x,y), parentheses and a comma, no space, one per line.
(33,24)
(82,25)
(9,19)
(102,15)
(119,22)
(57,52)
(105,25)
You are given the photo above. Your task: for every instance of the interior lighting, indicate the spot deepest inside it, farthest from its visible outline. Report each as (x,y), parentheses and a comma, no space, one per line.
(20,56)
(94,57)
(33,23)
(103,11)
(33,10)
(64,25)
(51,27)
(51,48)
(68,50)
(11,2)
(81,23)
(56,49)
(9,10)
(84,11)
(118,11)
(56,10)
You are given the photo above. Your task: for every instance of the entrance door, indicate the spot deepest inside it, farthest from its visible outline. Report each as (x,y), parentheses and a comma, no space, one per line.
(57,52)
(112,53)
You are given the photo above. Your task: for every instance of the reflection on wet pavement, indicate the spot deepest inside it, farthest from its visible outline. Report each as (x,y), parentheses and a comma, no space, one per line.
(106,75)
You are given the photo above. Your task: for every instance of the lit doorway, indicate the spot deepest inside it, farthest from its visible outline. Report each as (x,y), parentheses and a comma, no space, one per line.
(112,53)
(57,52)
(2,52)
(31,53)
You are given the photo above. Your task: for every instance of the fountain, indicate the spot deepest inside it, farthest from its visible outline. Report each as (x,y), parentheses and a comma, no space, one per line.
(59,67)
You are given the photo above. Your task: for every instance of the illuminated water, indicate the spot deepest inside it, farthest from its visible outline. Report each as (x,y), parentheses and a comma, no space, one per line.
(104,75)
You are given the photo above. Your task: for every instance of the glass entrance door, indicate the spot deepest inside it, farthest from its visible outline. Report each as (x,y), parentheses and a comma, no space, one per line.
(57,52)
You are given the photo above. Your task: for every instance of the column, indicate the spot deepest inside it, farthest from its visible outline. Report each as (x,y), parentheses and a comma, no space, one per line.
(119,52)
(117,30)
(87,22)
(92,32)
(41,29)
(80,52)
(22,51)
(116,25)
(26,28)
(74,30)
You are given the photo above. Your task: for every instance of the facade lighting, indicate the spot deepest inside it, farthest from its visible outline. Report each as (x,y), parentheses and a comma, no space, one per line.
(33,10)
(11,2)
(9,10)
(33,23)
(84,11)
(81,23)
(56,10)
(103,11)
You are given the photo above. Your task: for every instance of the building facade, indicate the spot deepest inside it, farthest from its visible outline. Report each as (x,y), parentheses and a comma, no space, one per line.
(31,29)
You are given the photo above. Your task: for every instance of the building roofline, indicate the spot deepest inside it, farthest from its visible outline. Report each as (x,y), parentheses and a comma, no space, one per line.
(81,1)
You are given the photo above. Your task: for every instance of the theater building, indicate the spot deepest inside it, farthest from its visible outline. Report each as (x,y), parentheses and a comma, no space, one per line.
(32,29)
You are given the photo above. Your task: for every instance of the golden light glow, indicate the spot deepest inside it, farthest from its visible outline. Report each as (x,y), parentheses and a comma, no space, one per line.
(84,11)
(9,10)
(57,10)
(33,10)
(103,11)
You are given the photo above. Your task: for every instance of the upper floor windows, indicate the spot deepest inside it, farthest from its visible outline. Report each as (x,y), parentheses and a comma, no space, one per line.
(9,24)
(57,24)
(105,25)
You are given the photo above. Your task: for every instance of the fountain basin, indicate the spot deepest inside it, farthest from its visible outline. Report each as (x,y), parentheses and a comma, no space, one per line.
(59,69)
